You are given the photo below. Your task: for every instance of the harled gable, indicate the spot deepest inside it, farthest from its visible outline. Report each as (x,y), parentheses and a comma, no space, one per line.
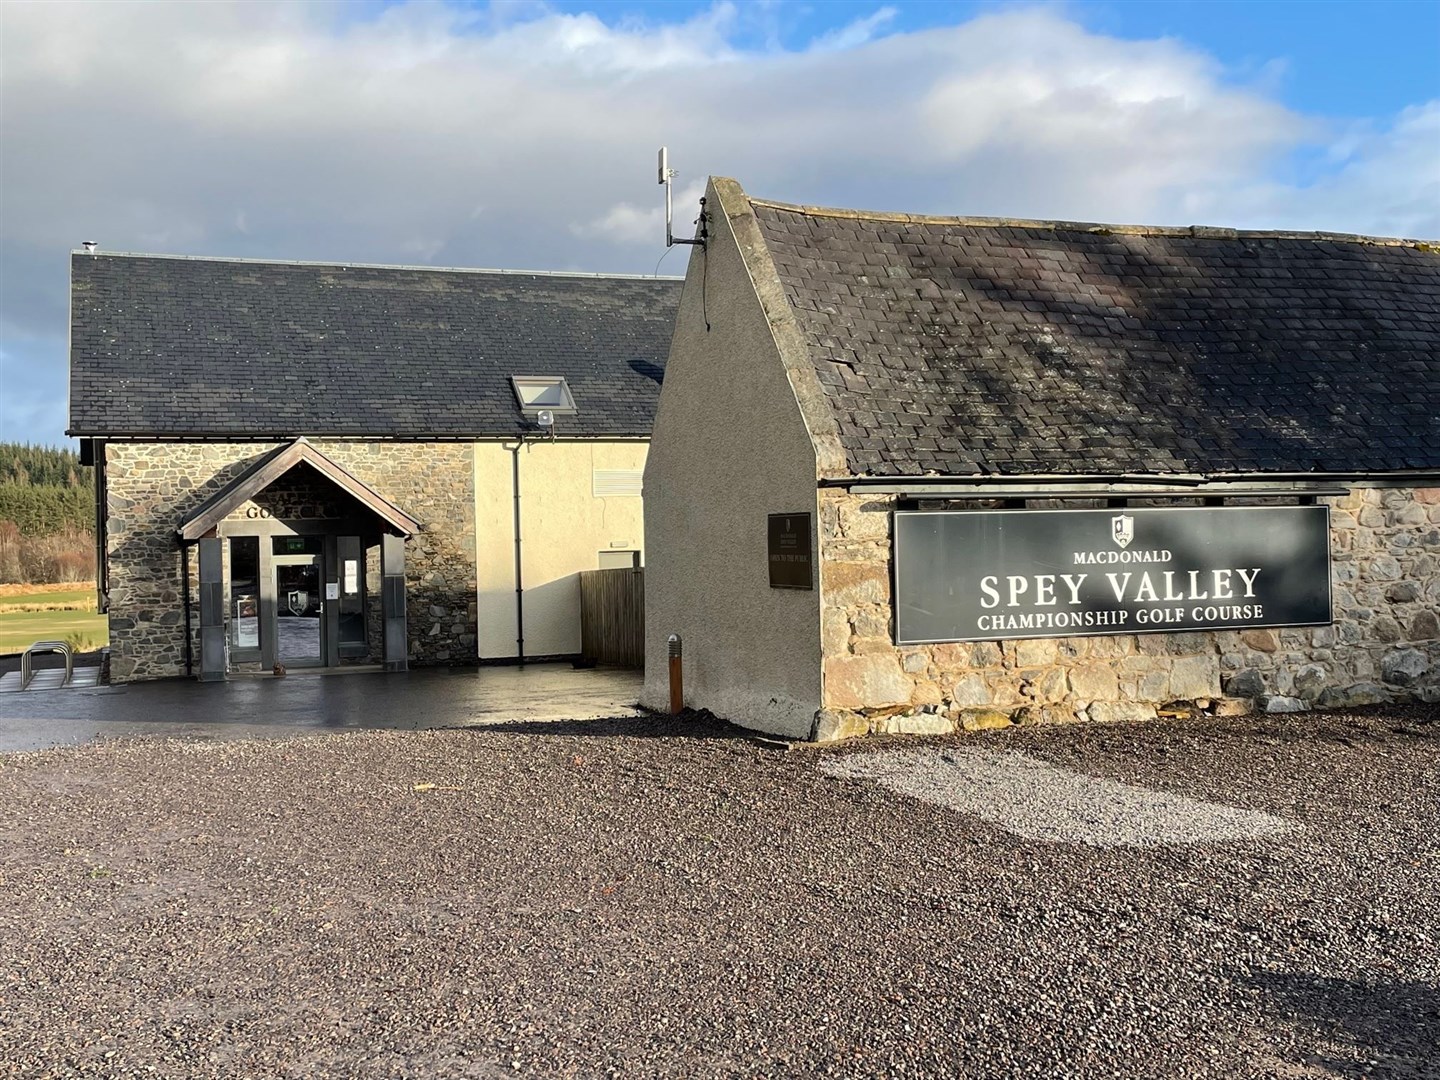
(953,346)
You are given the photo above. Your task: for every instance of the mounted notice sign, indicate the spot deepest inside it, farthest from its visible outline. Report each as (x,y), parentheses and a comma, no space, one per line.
(988,575)
(788,548)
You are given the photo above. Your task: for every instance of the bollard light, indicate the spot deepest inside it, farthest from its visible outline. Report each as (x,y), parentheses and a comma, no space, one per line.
(677,688)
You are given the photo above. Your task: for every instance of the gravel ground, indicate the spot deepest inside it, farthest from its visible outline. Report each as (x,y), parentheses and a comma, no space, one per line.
(651,897)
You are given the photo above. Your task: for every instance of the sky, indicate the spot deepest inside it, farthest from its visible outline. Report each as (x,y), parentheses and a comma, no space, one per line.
(522,135)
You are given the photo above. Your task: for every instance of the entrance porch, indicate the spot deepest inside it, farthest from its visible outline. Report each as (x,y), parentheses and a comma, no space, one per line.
(300,566)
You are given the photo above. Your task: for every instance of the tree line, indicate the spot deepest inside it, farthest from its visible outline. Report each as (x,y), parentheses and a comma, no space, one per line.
(42,466)
(47,514)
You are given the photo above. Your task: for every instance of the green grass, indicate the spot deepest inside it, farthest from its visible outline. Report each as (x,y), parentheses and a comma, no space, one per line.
(21,629)
(83,595)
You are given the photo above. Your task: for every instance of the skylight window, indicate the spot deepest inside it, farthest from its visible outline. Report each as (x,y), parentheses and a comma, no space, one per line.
(543,392)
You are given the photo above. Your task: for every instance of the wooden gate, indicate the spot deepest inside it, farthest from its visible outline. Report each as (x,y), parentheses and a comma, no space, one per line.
(612,616)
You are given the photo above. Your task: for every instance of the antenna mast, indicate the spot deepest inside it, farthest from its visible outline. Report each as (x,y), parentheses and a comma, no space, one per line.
(666,174)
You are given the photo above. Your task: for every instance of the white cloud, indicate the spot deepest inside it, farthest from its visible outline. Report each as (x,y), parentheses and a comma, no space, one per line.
(325,131)
(627,223)
(1383,181)
(856,33)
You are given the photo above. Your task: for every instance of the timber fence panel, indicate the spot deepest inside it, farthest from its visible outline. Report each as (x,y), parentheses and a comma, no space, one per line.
(612,616)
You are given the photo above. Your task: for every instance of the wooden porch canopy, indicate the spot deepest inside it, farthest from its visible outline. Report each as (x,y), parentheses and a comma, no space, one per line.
(203,520)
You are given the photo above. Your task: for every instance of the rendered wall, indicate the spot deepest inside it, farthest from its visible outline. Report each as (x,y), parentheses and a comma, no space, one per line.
(1384,644)
(563,529)
(730,447)
(151,487)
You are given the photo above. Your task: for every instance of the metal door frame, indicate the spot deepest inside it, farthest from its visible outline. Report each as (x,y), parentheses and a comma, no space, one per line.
(272,624)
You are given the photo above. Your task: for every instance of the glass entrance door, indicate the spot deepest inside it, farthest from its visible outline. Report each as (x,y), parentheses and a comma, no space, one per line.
(299,611)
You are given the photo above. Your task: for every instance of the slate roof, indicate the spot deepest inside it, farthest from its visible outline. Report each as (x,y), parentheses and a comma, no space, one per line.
(957,346)
(166,346)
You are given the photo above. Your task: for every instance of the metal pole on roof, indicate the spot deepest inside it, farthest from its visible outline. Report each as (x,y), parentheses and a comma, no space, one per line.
(666,174)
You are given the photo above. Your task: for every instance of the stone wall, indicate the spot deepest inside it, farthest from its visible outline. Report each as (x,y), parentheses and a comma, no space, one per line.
(1384,644)
(153,486)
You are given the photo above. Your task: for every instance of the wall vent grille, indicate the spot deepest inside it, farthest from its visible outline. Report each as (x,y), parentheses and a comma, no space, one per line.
(608,483)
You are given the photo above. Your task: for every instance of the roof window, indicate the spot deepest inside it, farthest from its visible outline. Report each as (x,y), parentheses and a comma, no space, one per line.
(549,393)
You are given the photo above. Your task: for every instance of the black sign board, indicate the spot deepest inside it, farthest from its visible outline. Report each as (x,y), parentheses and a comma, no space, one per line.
(989,575)
(789,550)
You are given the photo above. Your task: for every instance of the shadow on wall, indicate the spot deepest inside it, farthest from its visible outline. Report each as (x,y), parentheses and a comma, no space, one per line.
(1394,1026)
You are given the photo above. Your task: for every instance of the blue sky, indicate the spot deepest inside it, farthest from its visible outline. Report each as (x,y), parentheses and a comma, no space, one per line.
(522,134)
(1347,59)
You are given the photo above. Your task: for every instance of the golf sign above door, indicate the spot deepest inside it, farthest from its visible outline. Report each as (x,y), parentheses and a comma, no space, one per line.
(989,575)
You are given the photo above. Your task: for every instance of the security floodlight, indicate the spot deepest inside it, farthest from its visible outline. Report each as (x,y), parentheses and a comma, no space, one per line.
(545,418)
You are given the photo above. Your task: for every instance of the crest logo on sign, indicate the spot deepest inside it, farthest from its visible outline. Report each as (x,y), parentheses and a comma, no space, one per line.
(1122,529)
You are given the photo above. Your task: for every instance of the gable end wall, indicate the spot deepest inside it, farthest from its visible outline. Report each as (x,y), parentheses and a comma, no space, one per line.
(730,446)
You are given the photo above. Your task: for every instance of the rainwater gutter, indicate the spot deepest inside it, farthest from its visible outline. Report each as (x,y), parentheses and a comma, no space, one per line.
(1079,485)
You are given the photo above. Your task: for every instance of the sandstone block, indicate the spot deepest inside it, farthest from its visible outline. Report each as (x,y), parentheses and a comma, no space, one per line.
(927,693)
(913,662)
(1094,682)
(1195,676)
(1112,647)
(832,725)
(971,690)
(1045,686)
(862,646)
(985,654)
(984,720)
(917,724)
(860,524)
(1031,715)
(1234,706)
(852,583)
(1035,652)
(1154,687)
(835,631)
(1260,640)
(951,657)
(861,682)
(1120,712)
(871,622)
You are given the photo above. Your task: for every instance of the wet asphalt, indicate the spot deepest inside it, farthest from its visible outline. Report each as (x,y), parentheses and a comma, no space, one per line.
(265,706)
